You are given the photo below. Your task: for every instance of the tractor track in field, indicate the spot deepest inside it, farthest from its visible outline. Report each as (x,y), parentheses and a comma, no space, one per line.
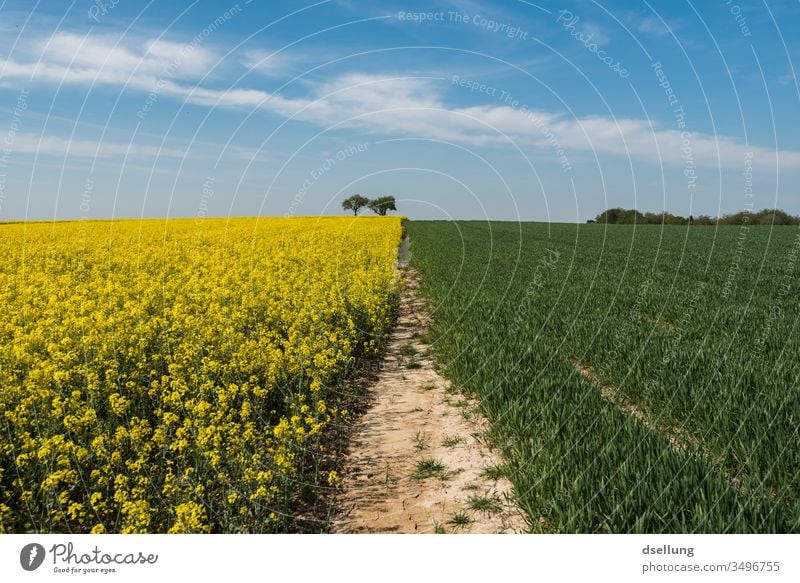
(681,440)
(416,461)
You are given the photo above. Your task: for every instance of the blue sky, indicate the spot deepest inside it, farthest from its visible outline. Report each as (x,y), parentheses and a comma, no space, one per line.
(460,108)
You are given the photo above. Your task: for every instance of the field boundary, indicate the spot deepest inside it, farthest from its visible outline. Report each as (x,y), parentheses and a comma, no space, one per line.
(418,460)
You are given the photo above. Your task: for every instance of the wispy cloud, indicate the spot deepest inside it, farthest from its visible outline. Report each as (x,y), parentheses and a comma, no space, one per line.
(413,106)
(29,143)
(104,54)
(74,59)
(388,105)
(654,27)
(271,63)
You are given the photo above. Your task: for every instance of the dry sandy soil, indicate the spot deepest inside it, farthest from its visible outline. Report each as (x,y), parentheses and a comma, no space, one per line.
(416,460)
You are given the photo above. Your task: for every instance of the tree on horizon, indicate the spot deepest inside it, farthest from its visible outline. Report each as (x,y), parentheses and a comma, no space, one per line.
(382,205)
(355,203)
(620,216)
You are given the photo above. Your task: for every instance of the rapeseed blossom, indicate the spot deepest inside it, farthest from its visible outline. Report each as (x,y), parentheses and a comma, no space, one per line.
(175,375)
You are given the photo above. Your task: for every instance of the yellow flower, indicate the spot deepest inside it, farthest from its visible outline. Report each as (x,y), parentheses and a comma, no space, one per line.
(190,518)
(174,366)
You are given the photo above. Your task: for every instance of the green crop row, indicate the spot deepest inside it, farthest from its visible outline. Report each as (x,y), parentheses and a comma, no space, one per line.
(637,379)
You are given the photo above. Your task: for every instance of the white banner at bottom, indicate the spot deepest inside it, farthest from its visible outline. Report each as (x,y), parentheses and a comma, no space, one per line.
(377,558)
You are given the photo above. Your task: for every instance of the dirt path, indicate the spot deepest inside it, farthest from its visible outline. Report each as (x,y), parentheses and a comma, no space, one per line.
(416,463)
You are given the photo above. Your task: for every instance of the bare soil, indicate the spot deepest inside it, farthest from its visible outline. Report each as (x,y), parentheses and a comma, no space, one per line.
(416,459)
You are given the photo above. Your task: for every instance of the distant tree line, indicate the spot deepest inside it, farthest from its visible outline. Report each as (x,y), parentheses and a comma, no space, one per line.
(380,205)
(620,216)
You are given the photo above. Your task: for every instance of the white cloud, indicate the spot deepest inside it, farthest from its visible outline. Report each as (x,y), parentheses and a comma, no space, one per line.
(372,103)
(105,56)
(29,143)
(191,60)
(409,106)
(270,63)
(73,59)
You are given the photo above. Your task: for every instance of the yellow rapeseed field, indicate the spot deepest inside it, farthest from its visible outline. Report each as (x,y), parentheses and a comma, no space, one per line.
(175,375)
